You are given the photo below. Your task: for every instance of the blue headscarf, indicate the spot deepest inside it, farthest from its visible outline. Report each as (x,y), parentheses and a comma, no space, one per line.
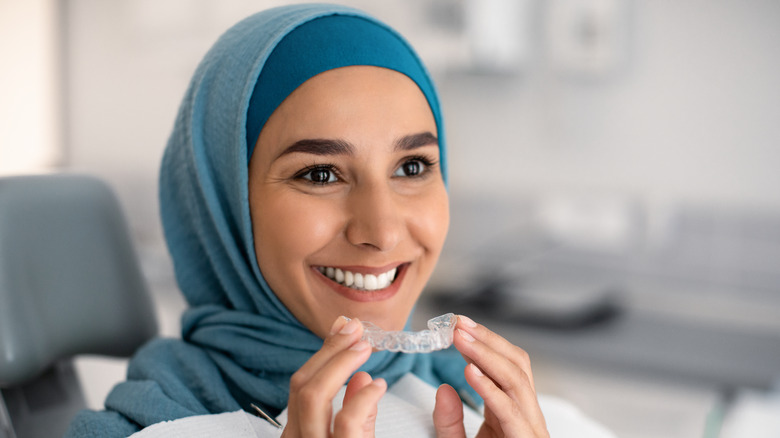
(240,344)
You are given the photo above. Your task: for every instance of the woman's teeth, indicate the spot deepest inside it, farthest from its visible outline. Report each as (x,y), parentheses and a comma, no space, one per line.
(359,281)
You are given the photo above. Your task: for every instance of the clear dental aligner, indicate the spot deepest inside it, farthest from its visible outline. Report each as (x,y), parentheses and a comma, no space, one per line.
(437,337)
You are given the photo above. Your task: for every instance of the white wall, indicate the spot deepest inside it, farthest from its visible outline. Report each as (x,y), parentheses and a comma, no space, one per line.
(690,115)
(29,86)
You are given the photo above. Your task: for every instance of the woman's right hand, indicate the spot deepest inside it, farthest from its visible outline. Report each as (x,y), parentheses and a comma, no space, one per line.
(501,374)
(316,383)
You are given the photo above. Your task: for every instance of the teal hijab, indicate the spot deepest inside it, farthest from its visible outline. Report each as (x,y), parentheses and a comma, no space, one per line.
(240,344)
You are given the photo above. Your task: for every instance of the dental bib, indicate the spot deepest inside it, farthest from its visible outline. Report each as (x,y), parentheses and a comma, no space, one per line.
(437,337)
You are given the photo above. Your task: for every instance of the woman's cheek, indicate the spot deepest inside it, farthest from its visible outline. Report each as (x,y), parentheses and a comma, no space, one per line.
(306,225)
(432,223)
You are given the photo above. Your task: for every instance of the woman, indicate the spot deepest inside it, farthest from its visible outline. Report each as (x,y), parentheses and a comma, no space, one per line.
(304,182)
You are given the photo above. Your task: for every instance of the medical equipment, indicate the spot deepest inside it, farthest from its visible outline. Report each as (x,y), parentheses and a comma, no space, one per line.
(267,417)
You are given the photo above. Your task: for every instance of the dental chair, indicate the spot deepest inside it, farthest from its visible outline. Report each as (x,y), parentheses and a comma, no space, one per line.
(70,284)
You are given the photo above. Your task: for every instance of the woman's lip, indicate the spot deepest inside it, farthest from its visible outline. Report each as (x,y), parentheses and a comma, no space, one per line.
(363,269)
(364,295)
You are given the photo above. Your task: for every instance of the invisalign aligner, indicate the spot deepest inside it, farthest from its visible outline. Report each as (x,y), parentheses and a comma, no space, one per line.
(437,337)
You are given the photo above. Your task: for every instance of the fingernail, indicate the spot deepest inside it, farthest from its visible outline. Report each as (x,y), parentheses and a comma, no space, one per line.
(359,346)
(350,327)
(466,335)
(476,370)
(467,321)
(338,324)
(379,382)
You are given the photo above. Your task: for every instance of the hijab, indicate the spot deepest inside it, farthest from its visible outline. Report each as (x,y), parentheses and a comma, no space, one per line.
(240,344)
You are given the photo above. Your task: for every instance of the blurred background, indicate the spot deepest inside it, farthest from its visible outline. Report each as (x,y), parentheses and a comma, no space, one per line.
(613,177)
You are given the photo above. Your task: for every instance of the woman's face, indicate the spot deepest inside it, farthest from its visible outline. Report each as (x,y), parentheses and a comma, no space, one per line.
(349,209)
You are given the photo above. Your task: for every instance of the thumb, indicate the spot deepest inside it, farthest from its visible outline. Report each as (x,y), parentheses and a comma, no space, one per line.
(360,380)
(360,408)
(448,413)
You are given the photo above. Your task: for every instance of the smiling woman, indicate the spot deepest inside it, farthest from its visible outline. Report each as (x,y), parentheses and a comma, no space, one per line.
(303,191)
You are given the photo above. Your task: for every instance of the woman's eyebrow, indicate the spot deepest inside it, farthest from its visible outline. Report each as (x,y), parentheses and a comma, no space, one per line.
(319,146)
(323,146)
(414,141)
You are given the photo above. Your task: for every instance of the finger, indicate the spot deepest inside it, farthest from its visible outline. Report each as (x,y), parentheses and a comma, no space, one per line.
(519,419)
(343,334)
(502,348)
(314,385)
(313,398)
(358,416)
(506,367)
(356,383)
(448,413)
(510,390)
(360,380)
(496,341)
(508,376)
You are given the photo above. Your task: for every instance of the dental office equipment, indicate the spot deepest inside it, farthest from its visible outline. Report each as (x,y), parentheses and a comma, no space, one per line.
(437,337)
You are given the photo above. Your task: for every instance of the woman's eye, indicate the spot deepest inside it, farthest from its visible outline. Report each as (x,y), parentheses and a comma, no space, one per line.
(410,168)
(319,175)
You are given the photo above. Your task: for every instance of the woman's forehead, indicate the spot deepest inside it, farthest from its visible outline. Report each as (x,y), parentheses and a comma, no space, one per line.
(359,82)
(348,103)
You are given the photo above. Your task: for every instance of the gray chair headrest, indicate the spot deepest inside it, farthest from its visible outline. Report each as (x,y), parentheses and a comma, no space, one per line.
(70,281)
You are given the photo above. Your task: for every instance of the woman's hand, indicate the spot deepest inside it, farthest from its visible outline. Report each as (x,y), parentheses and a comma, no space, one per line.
(314,385)
(500,372)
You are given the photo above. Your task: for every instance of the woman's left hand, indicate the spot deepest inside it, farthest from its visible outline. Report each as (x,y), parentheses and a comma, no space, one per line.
(501,374)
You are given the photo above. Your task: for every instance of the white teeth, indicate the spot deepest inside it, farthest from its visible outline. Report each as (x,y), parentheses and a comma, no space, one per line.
(370,282)
(381,281)
(360,281)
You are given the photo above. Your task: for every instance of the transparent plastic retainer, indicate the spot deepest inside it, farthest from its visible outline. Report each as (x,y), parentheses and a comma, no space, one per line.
(437,337)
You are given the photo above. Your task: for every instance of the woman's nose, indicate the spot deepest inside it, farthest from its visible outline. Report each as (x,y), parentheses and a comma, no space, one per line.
(375,218)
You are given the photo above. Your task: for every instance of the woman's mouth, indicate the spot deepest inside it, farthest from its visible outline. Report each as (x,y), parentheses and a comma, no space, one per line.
(358,281)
